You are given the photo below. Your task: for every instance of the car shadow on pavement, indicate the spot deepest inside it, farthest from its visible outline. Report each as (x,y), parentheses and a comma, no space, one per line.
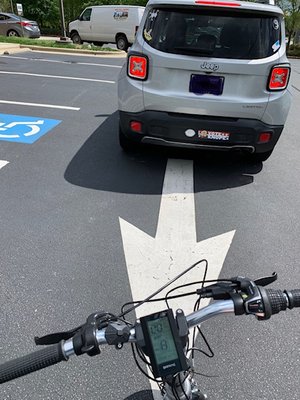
(143,395)
(101,164)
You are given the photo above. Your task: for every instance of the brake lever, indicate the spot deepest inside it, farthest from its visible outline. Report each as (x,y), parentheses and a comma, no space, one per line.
(54,338)
(95,319)
(266,280)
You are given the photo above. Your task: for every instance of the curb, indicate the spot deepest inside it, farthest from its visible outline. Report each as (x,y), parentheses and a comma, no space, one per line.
(7,47)
(79,51)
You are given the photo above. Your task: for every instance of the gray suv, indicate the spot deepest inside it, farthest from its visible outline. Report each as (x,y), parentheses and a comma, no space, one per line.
(206,74)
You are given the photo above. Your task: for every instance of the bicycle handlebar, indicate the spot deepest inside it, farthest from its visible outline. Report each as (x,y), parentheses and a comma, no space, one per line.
(271,301)
(32,362)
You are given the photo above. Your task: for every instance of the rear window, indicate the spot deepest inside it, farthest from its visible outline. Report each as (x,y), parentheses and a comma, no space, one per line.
(211,33)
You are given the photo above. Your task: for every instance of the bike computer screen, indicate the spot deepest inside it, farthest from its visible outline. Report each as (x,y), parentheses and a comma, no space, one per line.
(163,345)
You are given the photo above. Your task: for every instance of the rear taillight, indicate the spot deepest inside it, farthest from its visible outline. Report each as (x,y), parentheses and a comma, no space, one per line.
(137,67)
(22,23)
(279,78)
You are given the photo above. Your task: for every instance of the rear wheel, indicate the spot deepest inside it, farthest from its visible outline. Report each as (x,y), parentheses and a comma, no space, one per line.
(259,157)
(12,33)
(122,42)
(76,38)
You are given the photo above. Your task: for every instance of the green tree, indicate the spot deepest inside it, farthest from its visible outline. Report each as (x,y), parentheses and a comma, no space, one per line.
(45,12)
(291,10)
(72,9)
(5,6)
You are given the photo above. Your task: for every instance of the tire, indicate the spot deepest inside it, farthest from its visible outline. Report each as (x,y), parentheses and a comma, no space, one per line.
(76,39)
(122,42)
(127,145)
(259,157)
(12,33)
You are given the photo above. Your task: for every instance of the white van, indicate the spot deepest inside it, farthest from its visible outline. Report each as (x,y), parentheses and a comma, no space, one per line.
(107,24)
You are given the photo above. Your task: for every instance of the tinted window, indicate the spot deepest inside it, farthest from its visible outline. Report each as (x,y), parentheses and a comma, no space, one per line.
(213,34)
(3,17)
(86,15)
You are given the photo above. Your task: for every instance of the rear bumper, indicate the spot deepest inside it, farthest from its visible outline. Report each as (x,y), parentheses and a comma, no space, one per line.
(31,34)
(190,131)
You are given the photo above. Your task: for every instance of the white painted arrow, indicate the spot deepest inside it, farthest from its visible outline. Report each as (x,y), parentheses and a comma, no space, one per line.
(3,163)
(152,262)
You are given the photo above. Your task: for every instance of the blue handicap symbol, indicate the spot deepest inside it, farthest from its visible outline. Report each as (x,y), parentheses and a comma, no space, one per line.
(16,128)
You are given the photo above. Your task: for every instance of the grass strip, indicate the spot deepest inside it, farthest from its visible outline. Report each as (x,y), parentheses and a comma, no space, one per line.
(52,43)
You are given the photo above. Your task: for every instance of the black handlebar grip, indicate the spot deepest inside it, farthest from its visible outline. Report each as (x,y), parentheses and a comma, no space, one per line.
(277,300)
(293,297)
(32,362)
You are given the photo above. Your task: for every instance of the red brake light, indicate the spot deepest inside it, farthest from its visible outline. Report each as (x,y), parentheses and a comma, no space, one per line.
(137,67)
(22,23)
(265,137)
(218,3)
(279,78)
(136,126)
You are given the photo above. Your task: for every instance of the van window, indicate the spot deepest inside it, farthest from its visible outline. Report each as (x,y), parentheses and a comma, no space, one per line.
(86,15)
(213,33)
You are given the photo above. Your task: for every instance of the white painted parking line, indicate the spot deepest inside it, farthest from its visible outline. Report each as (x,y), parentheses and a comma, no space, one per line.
(101,65)
(56,77)
(63,62)
(20,103)
(3,163)
(16,57)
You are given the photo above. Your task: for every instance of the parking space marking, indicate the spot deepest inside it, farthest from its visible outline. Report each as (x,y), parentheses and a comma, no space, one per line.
(100,65)
(24,129)
(64,62)
(56,77)
(3,163)
(20,103)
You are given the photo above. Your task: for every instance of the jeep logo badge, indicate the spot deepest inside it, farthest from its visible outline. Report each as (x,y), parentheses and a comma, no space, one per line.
(210,66)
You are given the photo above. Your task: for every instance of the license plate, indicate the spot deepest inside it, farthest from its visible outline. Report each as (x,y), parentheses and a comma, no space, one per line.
(206,84)
(213,135)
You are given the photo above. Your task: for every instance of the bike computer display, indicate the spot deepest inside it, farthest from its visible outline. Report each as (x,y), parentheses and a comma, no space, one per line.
(163,344)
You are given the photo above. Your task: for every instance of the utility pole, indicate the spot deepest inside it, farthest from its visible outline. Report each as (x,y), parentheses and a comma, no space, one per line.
(11,6)
(63,38)
(62,19)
